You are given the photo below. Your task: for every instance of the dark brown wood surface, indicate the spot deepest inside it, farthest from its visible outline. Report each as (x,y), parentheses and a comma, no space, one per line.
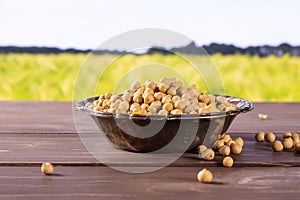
(35,132)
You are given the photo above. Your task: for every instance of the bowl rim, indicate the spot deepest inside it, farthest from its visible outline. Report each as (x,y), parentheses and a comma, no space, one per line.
(244,106)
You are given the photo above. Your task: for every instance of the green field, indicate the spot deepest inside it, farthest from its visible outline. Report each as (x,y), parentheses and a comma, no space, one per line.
(51,77)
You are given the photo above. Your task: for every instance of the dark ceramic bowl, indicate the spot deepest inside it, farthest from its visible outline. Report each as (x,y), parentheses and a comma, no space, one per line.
(172,133)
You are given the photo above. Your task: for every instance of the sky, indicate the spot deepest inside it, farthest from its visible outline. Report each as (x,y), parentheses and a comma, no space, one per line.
(86,24)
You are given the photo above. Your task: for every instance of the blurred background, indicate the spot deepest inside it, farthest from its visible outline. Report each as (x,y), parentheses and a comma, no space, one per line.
(254,44)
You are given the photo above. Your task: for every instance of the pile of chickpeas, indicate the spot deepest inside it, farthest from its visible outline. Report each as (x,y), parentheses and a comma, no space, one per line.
(289,141)
(167,97)
(224,146)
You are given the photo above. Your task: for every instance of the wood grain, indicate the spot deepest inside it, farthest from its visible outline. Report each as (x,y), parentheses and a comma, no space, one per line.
(67,149)
(169,183)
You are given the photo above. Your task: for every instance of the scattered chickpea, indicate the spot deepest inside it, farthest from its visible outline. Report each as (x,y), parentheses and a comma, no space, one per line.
(218,144)
(226,138)
(296,138)
(260,136)
(207,154)
(227,161)
(201,148)
(288,143)
(277,146)
(270,137)
(287,135)
(239,141)
(47,168)
(262,116)
(224,150)
(205,176)
(297,147)
(236,148)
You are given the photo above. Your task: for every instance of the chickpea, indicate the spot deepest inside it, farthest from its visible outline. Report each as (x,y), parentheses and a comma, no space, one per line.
(262,116)
(144,106)
(139,91)
(113,105)
(135,107)
(236,148)
(229,143)
(137,99)
(101,97)
(168,107)
(111,110)
(107,95)
(89,105)
(277,146)
(239,141)
(207,154)
(226,138)
(152,109)
(163,87)
(149,91)
(205,176)
(158,95)
(176,112)
(151,84)
(135,85)
(227,161)
(176,98)
(221,99)
(288,143)
(218,144)
(188,109)
(270,137)
(297,147)
(114,98)
(224,150)
(47,168)
(166,99)
(180,90)
(201,148)
(260,136)
(163,112)
(202,105)
(176,84)
(106,103)
(179,104)
(156,103)
(148,98)
(171,91)
(287,135)
(296,138)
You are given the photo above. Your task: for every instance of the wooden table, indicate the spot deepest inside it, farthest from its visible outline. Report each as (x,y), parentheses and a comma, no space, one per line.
(35,132)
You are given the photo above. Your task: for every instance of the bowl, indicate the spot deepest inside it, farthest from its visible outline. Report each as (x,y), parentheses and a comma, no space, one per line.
(159,133)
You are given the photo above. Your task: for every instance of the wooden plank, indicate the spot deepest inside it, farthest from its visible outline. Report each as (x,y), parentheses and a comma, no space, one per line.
(56,117)
(169,183)
(67,149)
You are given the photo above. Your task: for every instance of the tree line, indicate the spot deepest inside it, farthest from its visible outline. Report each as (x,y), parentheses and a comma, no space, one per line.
(192,48)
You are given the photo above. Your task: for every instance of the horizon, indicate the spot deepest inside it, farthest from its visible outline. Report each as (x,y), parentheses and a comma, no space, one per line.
(86,24)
